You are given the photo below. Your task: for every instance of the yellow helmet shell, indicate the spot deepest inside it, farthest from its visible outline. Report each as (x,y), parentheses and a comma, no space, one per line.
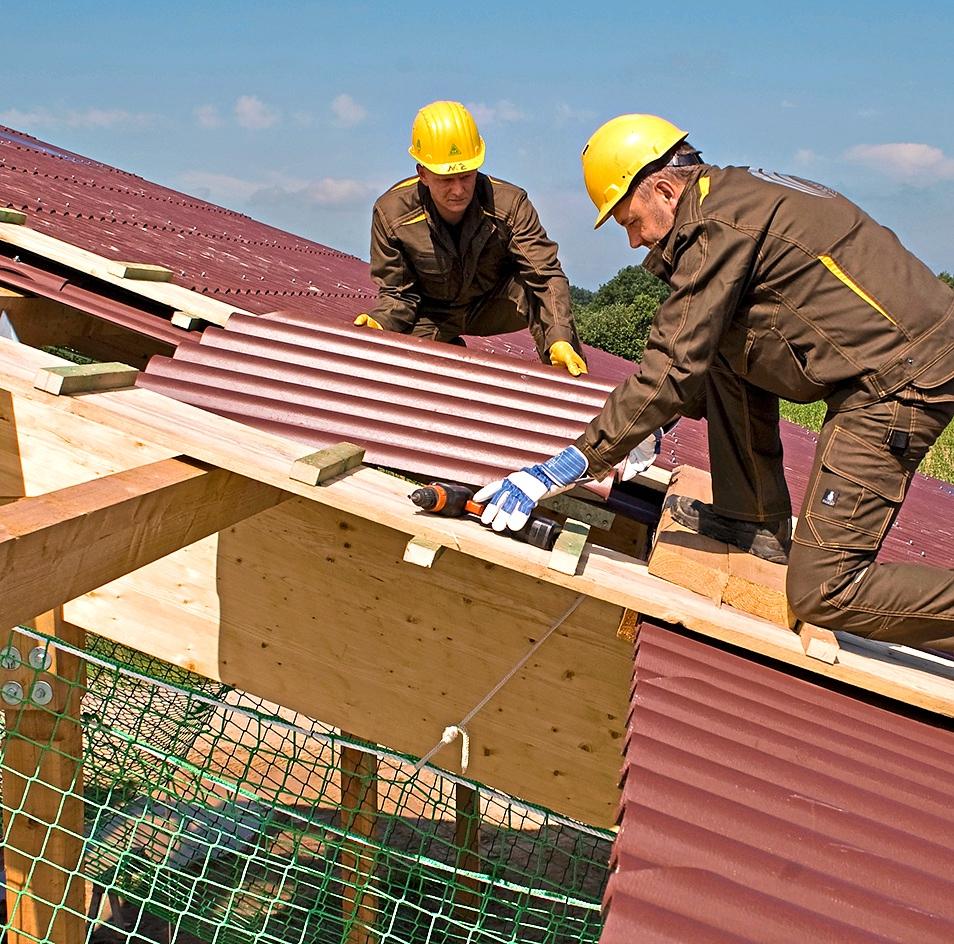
(445,140)
(617,151)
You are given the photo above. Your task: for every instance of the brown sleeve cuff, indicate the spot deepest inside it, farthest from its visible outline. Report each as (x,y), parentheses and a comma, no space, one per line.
(598,467)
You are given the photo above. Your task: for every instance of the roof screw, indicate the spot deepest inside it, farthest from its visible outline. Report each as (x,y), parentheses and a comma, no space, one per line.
(41,693)
(12,693)
(10,658)
(40,658)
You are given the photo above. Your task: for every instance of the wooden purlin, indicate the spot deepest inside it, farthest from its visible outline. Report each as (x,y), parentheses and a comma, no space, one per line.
(178,297)
(380,500)
(57,546)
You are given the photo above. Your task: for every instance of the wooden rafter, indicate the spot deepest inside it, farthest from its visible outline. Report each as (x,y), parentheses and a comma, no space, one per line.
(58,546)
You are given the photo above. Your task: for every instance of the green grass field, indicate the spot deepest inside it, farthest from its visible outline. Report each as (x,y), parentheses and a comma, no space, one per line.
(939,462)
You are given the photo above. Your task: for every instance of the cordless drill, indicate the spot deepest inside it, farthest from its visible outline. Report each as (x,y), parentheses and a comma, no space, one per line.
(454,501)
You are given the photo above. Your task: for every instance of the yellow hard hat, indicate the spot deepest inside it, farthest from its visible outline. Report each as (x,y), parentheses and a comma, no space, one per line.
(617,151)
(444,138)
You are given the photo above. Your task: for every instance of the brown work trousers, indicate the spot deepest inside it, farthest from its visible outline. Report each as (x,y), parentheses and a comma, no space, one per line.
(511,307)
(854,493)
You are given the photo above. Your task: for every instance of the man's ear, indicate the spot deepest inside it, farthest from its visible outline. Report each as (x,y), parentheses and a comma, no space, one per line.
(422,172)
(667,189)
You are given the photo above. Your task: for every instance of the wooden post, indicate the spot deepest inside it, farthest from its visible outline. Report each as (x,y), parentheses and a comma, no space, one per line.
(359,808)
(467,840)
(43,798)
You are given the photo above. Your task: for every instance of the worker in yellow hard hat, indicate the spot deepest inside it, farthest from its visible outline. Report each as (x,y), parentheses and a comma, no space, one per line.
(455,252)
(781,287)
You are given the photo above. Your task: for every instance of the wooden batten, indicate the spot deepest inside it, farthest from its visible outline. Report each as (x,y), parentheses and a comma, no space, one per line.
(56,250)
(141,271)
(84,378)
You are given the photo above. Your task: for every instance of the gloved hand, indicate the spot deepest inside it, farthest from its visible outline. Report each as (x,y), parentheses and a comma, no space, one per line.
(510,500)
(365,319)
(563,355)
(641,457)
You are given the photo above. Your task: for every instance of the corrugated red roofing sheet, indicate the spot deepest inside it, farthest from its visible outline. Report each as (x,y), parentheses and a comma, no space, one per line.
(415,405)
(762,808)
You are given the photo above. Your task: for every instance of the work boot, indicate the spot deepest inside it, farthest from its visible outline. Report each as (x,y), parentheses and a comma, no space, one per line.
(769,540)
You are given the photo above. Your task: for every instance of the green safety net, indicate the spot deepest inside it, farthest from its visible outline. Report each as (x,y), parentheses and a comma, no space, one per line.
(229,820)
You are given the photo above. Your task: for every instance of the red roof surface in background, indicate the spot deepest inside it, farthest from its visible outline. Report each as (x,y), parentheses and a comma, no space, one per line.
(762,808)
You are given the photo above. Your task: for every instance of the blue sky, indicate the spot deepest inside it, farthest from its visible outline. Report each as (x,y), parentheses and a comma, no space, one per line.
(299,114)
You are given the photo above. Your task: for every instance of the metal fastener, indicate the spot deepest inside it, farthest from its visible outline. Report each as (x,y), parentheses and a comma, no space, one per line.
(10,658)
(41,693)
(40,658)
(12,693)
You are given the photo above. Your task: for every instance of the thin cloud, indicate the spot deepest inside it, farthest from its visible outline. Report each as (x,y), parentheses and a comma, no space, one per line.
(567,113)
(347,111)
(275,188)
(251,112)
(207,116)
(503,111)
(805,156)
(75,118)
(909,161)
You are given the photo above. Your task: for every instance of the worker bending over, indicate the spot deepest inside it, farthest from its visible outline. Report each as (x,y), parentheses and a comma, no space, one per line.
(456,252)
(780,288)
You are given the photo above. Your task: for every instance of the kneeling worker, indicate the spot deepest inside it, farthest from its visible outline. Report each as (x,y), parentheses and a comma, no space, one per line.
(456,252)
(780,288)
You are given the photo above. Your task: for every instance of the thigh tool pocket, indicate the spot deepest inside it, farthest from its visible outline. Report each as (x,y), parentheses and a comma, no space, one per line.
(856,493)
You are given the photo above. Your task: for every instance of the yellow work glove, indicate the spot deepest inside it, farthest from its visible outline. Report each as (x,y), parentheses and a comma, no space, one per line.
(563,355)
(365,319)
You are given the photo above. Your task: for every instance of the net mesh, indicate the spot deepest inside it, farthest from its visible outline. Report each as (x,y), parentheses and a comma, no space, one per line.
(230,820)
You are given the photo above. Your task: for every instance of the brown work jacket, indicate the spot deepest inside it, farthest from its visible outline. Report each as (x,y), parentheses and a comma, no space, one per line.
(420,267)
(798,290)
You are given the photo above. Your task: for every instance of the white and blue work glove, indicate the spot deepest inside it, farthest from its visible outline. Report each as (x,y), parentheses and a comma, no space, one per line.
(511,500)
(641,457)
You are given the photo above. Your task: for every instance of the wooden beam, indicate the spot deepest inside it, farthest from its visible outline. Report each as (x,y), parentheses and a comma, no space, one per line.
(55,547)
(175,296)
(467,840)
(15,217)
(43,804)
(359,810)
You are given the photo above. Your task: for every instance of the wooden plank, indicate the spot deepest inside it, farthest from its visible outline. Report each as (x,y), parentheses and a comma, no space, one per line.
(143,271)
(14,217)
(55,547)
(682,556)
(167,293)
(382,500)
(359,810)
(43,808)
(84,378)
(182,319)
(326,464)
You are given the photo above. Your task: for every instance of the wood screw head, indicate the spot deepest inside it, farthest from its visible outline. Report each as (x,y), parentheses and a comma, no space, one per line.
(40,658)
(41,693)
(12,693)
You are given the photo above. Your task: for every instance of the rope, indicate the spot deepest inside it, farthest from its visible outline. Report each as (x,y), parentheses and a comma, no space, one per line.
(453,731)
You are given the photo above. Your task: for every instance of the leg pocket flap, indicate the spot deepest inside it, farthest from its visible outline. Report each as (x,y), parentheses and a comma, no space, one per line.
(856,460)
